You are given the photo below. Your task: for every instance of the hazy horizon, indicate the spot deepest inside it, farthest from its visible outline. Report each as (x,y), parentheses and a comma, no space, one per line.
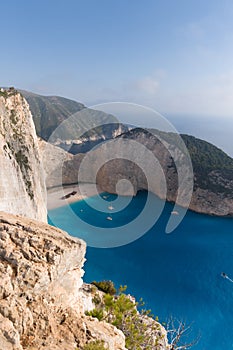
(174,57)
(218,133)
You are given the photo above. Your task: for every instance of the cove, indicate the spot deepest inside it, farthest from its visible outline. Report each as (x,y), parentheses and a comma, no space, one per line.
(177,274)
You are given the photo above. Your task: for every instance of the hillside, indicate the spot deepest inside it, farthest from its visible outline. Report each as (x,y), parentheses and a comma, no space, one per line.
(213,169)
(77,121)
(49,111)
(213,180)
(208,161)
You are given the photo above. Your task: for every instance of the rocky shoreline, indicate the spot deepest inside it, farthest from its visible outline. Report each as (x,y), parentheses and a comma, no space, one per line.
(205,201)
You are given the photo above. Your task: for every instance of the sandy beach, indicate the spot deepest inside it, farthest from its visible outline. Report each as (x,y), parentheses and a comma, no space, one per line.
(54,195)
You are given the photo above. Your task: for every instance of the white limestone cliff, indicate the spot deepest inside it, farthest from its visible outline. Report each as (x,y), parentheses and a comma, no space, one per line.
(22,184)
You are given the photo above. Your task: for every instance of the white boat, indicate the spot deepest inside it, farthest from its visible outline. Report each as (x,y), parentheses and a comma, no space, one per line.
(224,275)
(174,212)
(110,207)
(109,218)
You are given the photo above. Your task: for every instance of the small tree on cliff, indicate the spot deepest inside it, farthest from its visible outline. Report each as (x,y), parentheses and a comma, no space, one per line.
(141,330)
(177,332)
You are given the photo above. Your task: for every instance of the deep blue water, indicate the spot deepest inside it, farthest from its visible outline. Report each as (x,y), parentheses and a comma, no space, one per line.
(176,274)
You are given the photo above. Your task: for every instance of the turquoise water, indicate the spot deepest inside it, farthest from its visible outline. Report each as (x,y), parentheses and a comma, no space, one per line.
(177,275)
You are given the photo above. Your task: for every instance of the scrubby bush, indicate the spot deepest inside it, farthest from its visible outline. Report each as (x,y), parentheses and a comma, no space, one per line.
(95,345)
(121,311)
(141,329)
(97,313)
(105,286)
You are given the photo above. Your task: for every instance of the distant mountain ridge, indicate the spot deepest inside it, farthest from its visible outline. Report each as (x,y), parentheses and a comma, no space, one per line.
(49,111)
(76,120)
(213,169)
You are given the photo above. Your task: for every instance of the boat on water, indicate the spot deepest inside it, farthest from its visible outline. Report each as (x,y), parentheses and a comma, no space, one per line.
(224,275)
(68,195)
(109,218)
(110,207)
(174,212)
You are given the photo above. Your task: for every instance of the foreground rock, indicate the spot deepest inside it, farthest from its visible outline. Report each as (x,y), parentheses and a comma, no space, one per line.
(22,185)
(42,303)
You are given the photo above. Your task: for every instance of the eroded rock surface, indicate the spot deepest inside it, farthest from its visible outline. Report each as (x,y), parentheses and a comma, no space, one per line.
(22,184)
(42,303)
(211,194)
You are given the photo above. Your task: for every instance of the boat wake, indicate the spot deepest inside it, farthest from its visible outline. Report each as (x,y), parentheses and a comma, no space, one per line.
(229,279)
(224,275)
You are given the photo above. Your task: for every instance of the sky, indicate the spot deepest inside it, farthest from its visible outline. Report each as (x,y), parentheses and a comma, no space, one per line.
(175,56)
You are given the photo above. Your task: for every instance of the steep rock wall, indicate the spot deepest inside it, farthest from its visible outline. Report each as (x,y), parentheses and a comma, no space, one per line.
(22,185)
(42,303)
(214,199)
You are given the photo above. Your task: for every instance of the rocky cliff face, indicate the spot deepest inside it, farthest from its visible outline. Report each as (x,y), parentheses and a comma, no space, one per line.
(213,184)
(42,301)
(22,185)
(212,190)
(60,166)
(214,196)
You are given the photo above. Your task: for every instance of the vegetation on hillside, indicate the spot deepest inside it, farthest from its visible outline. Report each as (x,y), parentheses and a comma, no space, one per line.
(142,331)
(206,156)
(8,92)
(49,112)
(95,345)
(106,287)
(213,168)
(206,159)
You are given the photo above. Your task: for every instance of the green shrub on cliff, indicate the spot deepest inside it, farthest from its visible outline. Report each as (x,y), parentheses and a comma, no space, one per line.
(121,311)
(141,330)
(96,345)
(105,286)
(3,93)
(97,313)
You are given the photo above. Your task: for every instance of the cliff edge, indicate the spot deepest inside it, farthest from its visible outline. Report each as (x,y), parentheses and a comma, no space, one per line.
(42,303)
(22,184)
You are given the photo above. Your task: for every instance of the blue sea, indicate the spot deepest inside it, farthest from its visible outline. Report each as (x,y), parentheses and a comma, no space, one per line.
(178,275)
